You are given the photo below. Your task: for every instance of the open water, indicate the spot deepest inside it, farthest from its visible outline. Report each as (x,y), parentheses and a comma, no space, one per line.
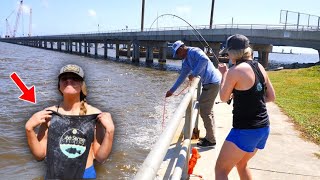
(132,93)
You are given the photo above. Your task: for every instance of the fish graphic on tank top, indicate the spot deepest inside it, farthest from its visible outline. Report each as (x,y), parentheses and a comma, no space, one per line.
(69,141)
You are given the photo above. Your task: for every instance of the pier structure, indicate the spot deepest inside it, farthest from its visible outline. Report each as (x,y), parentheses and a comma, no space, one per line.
(156,43)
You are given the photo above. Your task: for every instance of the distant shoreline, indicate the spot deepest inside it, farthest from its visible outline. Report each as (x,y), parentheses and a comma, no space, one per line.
(286,53)
(274,65)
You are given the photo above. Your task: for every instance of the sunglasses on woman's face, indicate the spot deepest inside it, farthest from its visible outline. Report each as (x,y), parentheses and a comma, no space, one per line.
(73,78)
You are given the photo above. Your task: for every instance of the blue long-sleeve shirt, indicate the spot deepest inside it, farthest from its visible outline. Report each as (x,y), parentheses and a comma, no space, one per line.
(198,63)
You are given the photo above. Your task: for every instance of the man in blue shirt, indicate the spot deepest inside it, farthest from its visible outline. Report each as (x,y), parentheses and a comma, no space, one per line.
(196,63)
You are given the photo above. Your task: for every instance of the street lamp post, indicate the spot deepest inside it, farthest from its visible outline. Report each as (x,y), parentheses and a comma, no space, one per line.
(142,15)
(211,15)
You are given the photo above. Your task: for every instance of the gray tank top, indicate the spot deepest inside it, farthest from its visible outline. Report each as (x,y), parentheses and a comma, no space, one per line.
(69,142)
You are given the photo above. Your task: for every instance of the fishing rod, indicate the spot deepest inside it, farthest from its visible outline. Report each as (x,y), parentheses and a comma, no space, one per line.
(207,45)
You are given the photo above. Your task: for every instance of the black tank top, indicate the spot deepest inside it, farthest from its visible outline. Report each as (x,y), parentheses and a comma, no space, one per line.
(69,142)
(249,107)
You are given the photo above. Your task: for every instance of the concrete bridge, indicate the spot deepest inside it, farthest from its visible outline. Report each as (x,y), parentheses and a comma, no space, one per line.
(262,38)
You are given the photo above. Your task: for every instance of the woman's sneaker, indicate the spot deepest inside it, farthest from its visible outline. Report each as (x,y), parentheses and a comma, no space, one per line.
(205,143)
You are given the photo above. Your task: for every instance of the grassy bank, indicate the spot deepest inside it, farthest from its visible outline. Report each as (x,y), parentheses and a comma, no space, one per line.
(298,95)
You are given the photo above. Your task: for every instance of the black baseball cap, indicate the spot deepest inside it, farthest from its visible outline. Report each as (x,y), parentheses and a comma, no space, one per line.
(235,42)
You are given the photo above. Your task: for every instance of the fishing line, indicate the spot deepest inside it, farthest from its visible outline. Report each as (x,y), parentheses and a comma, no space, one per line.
(208,46)
(165,103)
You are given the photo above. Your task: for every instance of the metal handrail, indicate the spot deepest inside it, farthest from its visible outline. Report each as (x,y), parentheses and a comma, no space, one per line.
(152,163)
(215,26)
(181,169)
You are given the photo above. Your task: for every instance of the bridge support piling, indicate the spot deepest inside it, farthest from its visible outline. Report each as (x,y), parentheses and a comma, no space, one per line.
(117,50)
(45,44)
(163,53)
(71,46)
(80,47)
(51,45)
(129,50)
(149,54)
(136,52)
(89,47)
(76,46)
(264,60)
(85,48)
(59,45)
(96,49)
(105,54)
(263,52)
(66,46)
(319,52)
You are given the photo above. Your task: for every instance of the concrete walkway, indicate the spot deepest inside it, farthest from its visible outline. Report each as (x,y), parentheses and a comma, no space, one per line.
(286,155)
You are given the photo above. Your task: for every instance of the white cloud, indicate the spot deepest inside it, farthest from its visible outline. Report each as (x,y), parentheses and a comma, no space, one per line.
(183,9)
(92,13)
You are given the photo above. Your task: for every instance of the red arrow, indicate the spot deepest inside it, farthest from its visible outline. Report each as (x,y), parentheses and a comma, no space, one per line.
(27,94)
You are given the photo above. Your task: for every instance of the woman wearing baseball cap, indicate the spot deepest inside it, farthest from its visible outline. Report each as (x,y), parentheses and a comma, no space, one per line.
(73,133)
(250,86)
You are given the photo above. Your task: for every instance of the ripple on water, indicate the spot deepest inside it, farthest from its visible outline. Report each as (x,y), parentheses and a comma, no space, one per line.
(133,94)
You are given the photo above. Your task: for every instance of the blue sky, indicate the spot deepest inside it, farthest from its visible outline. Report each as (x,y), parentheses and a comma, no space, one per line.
(74,16)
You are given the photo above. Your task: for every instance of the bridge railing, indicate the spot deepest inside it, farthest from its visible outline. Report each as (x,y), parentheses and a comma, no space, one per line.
(244,26)
(215,26)
(190,109)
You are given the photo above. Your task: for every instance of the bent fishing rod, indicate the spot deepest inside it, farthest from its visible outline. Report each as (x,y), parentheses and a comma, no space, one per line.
(207,45)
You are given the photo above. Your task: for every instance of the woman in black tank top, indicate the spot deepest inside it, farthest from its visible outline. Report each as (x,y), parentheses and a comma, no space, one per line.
(248,84)
(73,133)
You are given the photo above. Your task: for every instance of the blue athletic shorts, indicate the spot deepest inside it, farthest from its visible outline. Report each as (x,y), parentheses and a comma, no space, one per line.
(249,139)
(90,173)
